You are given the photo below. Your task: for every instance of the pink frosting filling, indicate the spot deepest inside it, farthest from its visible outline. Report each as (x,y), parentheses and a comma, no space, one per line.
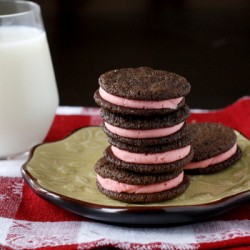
(119,187)
(156,158)
(214,160)
(149,133)
(171,103)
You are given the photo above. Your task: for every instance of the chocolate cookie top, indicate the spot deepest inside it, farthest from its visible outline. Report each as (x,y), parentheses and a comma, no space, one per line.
(210,139)
(144,83)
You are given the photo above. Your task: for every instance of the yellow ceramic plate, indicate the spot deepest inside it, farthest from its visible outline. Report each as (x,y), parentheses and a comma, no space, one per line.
(63,173)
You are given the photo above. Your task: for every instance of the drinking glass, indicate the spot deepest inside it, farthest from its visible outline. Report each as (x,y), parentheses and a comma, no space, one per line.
(28,90)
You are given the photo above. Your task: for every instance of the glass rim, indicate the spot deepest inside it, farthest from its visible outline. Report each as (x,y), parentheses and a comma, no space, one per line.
(34,7)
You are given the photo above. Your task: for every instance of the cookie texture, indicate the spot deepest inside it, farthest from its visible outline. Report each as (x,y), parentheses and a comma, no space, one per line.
(147,198)
(144,83)
(210,139)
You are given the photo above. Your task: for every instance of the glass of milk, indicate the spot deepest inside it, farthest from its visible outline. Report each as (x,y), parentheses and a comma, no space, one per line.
(28,91)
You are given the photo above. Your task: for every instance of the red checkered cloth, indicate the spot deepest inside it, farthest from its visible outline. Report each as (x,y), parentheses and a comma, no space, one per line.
(29,222)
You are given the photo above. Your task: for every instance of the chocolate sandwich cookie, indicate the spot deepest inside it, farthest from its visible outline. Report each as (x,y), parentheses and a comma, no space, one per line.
(143,131)
(165,162)
(144,142)
(141,91)
(145,197)
(108,170)
(141,122)
(132,187)
(215,148)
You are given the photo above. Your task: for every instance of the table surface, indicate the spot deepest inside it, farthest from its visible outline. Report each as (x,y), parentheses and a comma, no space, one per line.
(29,222)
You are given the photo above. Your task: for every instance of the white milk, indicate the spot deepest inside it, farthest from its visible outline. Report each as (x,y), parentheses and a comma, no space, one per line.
(28,92)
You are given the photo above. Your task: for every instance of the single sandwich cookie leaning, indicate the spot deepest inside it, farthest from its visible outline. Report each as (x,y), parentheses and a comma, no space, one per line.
(127,186)
(141,91)
(148,130)
(215,148)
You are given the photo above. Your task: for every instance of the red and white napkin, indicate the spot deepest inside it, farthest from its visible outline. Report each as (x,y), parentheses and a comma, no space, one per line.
(29,222)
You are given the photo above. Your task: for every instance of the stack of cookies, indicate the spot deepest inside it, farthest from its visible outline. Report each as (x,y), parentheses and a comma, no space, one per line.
(144,114)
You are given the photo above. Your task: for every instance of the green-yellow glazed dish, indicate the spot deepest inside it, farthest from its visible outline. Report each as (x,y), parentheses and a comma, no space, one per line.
(63,173)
